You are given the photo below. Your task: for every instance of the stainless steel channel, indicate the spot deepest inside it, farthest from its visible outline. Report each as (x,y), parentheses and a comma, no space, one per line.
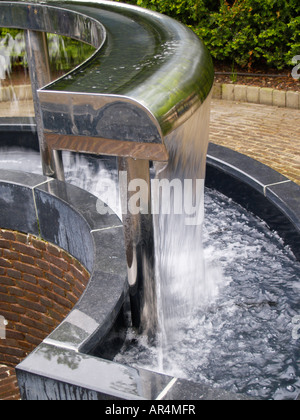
(144,85)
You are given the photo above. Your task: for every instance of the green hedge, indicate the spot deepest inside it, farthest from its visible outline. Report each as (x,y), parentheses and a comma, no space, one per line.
(245,32)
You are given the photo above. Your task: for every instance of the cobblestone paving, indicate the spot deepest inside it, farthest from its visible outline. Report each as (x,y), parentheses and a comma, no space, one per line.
(268,134)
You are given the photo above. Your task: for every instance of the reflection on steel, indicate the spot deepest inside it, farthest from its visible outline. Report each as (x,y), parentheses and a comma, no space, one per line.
(99,124)
(39,69)
(141,90)
(139,244)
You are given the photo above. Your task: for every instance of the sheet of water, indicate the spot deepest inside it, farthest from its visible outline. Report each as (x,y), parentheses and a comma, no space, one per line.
(242,333)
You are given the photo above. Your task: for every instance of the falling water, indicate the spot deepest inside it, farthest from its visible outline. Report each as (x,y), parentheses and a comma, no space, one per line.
(10,49)
(15,100)
(184,281)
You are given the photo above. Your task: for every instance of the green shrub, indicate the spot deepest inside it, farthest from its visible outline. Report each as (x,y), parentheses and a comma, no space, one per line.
(245,32)
(242,32)
(251,32)
(65,53)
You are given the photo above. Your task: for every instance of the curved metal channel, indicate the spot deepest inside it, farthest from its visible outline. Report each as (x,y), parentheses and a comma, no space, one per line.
(148,76)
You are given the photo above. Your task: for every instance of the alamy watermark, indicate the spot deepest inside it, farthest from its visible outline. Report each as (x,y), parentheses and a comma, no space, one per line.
(3,324)
(179,197)
(296,69)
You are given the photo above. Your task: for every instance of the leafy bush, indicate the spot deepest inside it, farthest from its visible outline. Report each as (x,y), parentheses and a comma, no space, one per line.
(245,32)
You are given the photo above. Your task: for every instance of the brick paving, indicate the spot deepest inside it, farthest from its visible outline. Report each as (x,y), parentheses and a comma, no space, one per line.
(268,134)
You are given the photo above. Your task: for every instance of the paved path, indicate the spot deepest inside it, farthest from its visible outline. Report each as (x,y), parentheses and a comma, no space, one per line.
(265,133)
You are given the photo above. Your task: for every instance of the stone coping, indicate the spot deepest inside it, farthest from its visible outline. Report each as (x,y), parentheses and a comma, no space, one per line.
(60,367)
(268,194)
(256,95)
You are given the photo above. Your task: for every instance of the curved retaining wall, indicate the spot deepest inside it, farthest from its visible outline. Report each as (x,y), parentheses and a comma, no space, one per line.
(39,285)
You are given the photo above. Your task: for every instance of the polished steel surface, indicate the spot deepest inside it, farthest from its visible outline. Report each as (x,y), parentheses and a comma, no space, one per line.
(39,70)
(139,242)
(42,16)
(99,124)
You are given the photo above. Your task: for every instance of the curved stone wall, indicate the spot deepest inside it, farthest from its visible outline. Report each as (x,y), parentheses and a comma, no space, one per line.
(39,285)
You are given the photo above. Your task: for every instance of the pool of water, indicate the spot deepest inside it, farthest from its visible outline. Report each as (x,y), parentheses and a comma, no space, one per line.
(242,334)
(241,337)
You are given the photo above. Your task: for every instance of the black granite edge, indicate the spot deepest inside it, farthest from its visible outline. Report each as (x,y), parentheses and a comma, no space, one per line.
(101,236)
(109,281)
(17,124)
(255,173)
(18,132)
(98,308)
(279,190)
(79,200)
(23,179)
(287,198)
(17,204)
(96,312)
